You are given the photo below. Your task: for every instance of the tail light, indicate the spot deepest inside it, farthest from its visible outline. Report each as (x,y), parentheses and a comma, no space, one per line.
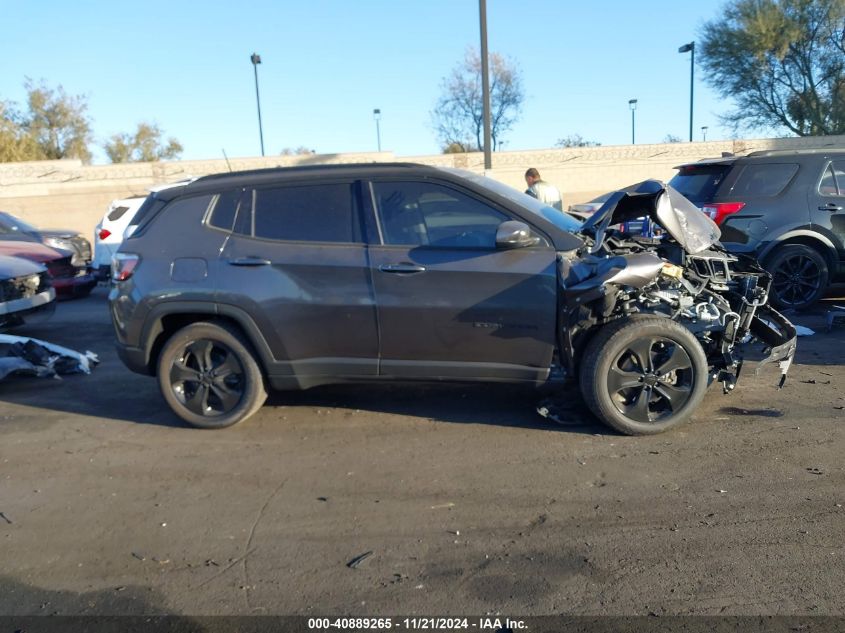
(718,211)
(104,233)
(123,265)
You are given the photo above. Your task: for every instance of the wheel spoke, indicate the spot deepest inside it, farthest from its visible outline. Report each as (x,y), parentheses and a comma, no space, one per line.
(674,395)
(202,352)
(229,366)
(198,401)
(181,373)
(639,409)
(619,380)
(641,351)
(229,398)
(678,359)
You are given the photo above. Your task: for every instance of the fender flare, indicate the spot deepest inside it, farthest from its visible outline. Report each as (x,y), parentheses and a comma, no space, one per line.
(829,247)
(153,326)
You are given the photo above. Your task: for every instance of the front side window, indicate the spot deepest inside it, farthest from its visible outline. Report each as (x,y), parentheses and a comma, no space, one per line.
(303,213)
(429,214)
(765,180)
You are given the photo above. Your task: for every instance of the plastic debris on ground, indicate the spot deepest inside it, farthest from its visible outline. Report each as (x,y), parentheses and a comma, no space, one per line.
(834,316)
(803,331)
(32,357)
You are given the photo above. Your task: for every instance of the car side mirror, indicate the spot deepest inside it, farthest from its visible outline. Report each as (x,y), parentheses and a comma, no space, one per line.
(514,234)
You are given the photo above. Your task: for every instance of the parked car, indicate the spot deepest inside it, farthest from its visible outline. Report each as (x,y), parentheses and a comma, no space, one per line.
(108,234)
(25,290)
(68,280)
(786,208)
(13,228)
(297,277)
(117,223)
(586,209)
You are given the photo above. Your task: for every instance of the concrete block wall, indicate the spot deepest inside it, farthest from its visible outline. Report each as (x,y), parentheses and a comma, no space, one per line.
(68,194)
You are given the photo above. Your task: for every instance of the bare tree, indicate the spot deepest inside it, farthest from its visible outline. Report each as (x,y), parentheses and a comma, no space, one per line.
(458,116)
(575,140)
(782,61)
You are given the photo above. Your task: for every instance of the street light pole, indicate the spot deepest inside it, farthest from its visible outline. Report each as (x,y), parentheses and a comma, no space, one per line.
(632,103)
(485,84)
(377,117)
(255,58)
(690,48)
(703,132)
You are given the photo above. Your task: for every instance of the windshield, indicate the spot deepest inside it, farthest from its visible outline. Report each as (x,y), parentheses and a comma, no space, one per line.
(560,219)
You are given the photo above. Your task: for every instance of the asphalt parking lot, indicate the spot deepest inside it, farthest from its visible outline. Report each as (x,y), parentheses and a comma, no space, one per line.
(467,499)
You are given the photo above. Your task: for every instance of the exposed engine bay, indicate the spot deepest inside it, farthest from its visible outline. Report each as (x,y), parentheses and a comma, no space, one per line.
(684,275)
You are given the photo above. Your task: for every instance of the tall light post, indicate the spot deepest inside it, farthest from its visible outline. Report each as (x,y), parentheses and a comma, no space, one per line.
(377,118)
(690,48)
(255,58)
(485,84)
(703,132)
(632,103)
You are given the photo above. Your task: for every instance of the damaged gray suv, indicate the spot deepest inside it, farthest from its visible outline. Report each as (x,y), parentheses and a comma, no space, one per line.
(295,277)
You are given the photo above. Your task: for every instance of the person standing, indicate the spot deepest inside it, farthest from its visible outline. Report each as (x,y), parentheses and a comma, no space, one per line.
(543,191)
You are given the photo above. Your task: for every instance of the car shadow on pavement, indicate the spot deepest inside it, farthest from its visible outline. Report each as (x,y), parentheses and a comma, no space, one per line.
(489,404)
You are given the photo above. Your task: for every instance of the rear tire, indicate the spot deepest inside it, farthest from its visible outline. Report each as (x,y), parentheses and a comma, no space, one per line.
(209,376)
(643,375)
(799,276)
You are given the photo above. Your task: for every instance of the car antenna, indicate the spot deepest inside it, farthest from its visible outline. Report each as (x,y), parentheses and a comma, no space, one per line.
(227,158)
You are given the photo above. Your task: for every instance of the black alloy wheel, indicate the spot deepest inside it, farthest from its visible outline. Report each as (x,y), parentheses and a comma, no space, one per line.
(208,374)
(207,378)
(650,379)
(799,276)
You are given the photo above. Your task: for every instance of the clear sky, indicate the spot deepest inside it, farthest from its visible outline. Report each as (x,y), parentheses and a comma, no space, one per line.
(328,63)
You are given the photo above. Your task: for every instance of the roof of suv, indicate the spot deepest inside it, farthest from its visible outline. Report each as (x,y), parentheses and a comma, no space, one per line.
(255,176)
(768,153)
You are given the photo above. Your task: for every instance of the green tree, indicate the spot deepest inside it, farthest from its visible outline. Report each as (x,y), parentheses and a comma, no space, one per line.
(782,61)
(144,146)
(16,144)
(458,116)
(57,122)
(575,140)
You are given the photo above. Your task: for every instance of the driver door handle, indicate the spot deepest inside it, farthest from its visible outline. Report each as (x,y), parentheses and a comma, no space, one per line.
(830,206)
(402,269)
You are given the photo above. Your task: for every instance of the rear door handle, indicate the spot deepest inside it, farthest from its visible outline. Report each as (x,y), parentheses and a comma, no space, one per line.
(830,206)
(249,261)
(402,269)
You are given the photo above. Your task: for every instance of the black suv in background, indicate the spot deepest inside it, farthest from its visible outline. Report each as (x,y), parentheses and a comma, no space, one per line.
(786,208)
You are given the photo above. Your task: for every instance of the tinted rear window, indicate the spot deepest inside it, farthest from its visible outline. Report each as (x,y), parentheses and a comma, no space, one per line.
(307,213)
(767,179)
(699,183)
(117,213)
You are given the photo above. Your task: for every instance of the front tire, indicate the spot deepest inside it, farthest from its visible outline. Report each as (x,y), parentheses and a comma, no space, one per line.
(643,375)
(209,376)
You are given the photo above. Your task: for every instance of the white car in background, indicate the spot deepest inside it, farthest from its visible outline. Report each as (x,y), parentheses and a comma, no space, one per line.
(108,234)
(112,229)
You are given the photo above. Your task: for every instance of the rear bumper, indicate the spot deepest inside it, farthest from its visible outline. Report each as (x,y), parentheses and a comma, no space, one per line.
(77,286)
(134,358)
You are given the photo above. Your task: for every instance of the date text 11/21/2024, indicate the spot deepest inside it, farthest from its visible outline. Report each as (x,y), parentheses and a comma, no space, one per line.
(416,624)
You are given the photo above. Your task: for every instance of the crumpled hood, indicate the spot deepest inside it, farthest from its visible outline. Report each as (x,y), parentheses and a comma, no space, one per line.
(691,228)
